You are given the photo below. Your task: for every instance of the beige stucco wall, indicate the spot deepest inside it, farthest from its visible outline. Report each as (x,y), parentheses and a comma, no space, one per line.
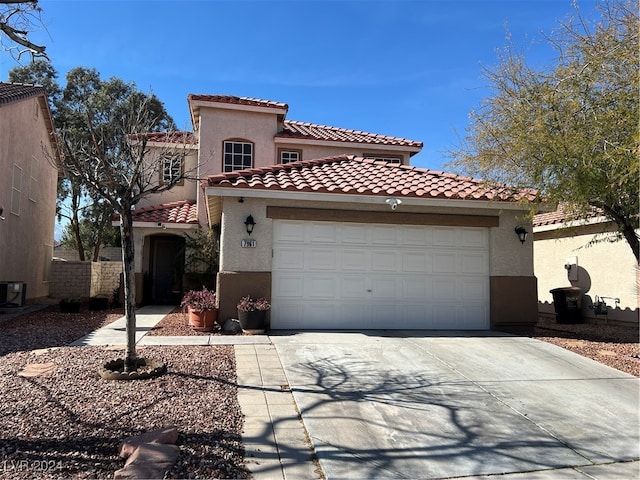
(605,269)
(513,286)
(218,125)
(26,238)
(187,191)
(508,256)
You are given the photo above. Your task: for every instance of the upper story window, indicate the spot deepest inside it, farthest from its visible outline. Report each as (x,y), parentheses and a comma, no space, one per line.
(238,155)
(172,169)
(288,156)
(395,160)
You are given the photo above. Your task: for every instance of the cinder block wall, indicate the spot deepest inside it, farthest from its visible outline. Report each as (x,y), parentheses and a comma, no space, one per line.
(84,279)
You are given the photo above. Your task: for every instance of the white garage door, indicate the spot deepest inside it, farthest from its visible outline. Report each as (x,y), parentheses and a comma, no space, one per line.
(371,276)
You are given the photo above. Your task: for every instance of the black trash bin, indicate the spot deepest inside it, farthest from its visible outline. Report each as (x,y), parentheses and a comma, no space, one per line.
(567,302)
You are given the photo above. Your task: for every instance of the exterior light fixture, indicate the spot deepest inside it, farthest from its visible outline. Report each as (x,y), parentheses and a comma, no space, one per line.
(249,224)
(393,202)
(522,234)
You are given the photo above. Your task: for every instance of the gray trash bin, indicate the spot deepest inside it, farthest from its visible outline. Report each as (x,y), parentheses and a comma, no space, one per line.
(567,302)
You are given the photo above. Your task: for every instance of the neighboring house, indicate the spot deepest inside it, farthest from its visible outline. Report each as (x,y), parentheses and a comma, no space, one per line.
(347,234)
(582,254)
(28,184)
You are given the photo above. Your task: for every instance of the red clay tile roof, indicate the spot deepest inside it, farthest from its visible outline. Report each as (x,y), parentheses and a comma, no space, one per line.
(353,175)
(559,216)
(11,92)
(230,99)
(176,212)
(302,130)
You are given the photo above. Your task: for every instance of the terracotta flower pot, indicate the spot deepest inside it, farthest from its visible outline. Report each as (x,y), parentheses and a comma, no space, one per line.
(203,321)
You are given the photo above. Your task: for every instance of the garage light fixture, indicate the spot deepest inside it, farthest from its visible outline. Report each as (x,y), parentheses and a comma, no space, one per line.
(522,234)
(393,202)
(249,223)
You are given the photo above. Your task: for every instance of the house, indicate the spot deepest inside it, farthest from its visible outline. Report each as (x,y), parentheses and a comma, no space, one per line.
(28,155)
(337,229)
(582,254)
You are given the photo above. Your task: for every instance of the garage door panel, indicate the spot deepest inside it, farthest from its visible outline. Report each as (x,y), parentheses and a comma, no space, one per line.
(289,259)
(386,287)
(474,289)
(474,264)
(289,232)
(348,275)
(288,286)
(416,261)
(444,237)
(355,260)
(416,288)
(322,232)
(445,263)
(384,235)
(415,236)
(353,287)
(384,261)
(320,259)
(473,238)
(353,234)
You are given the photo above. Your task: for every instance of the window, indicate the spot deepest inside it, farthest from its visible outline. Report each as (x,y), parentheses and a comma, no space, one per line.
(237,156)
(33,181)
(395,160)
(288,156)
(16,190)
(171,168)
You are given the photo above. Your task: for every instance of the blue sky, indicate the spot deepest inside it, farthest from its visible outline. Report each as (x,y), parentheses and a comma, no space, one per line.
(403,68)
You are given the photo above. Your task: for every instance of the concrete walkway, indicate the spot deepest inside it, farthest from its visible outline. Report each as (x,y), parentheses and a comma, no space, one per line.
(274,436)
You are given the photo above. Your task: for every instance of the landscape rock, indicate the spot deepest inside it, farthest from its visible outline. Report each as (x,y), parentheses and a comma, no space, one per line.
(149,460)
(232,327)
(168,435)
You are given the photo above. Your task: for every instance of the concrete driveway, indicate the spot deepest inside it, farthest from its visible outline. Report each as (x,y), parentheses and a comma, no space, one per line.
(451,404)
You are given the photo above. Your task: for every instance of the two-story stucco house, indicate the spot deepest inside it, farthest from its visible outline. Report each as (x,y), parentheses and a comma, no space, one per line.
(336,228)
(28,183)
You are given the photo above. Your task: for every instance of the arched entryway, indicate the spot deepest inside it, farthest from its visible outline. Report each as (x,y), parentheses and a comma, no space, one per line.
(166,268)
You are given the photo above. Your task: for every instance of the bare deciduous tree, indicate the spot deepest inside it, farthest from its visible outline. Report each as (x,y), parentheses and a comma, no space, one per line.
(19,18)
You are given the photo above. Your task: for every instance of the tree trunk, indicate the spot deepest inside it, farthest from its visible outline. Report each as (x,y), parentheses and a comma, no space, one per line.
(128,266)
(75,227)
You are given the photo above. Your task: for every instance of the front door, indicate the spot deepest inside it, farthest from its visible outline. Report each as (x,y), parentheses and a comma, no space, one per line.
(167,266)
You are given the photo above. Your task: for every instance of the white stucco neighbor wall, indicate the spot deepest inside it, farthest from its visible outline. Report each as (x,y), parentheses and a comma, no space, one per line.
(606,269)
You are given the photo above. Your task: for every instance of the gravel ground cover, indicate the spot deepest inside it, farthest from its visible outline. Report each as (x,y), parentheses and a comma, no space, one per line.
(68,422)
(177,324)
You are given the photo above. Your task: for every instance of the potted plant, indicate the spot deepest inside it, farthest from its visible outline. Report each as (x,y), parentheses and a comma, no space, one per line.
(202,308)
(252,313)
(70,305)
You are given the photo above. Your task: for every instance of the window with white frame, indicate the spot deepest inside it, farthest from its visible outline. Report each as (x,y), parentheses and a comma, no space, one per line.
(238,155)
(16,189)
(33,180)
(171,168)
(288,156)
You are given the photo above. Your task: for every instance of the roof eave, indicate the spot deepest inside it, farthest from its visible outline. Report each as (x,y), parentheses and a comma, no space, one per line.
(412,149)
(217,191)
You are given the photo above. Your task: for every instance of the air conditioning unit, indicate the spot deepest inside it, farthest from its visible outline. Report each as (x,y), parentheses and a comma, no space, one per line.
(13,294)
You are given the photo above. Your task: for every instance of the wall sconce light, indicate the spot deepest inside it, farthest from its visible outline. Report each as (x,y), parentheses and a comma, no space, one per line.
(522,234)
(1,210)
(393,202)
(249,224)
